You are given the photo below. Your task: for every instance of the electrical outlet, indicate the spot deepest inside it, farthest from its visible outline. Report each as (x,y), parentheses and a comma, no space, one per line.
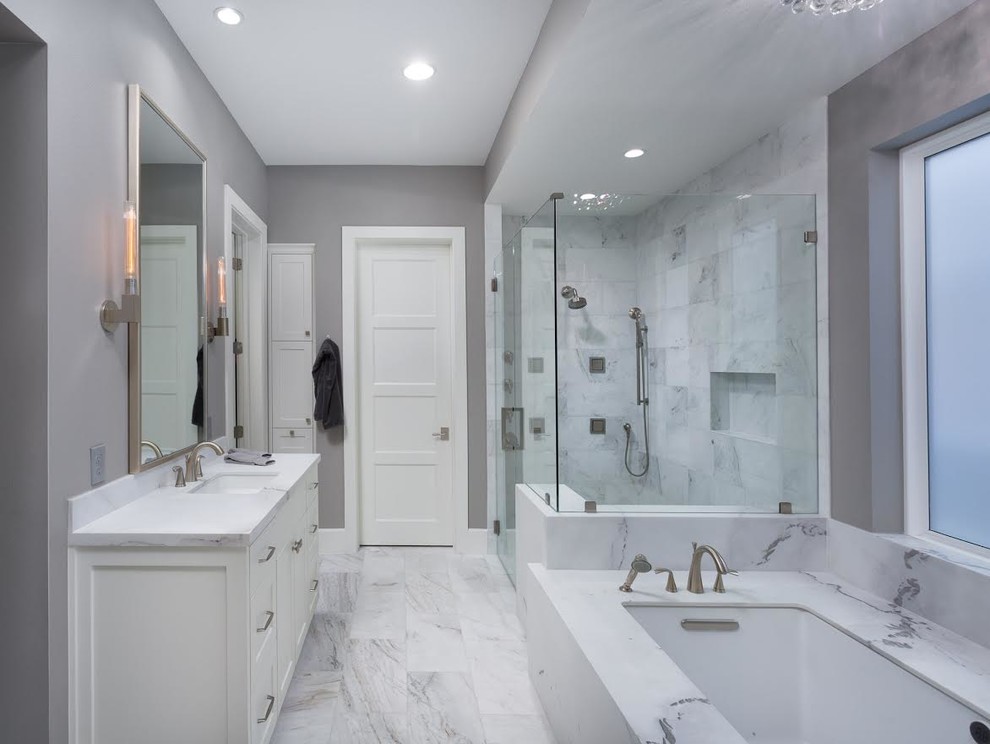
(97,464)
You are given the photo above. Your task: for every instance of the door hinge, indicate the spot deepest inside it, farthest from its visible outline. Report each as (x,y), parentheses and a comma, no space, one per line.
(811,237)
(494,284)
(238,432)
(497,529)
(238,347)
(238,264)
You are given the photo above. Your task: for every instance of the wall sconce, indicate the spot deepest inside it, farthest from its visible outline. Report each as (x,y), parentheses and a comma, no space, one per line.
(129,310)
(223,325)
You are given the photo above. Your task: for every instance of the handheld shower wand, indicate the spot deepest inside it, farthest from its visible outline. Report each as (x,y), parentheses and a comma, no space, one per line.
(642,389)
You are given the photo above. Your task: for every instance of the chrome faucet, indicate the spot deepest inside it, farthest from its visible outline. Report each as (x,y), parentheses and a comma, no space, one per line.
(192,460)
(694,575)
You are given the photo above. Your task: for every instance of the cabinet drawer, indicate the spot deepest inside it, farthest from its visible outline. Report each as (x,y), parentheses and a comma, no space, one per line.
(263,616)
(292,440)
(264,696)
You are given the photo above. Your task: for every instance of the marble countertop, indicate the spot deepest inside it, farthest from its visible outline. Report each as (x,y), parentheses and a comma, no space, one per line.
(181,517)
(658,699)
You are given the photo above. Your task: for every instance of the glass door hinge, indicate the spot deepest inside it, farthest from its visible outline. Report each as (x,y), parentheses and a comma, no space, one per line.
(811,237)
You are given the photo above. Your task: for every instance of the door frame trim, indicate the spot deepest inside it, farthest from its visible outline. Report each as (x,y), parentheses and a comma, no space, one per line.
(351,240)
(239,217)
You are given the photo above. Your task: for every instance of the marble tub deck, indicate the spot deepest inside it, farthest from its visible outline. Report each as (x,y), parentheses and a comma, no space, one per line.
(413,646)
(661,704)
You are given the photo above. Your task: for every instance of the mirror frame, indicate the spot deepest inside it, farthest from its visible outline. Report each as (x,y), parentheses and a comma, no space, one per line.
(135,97)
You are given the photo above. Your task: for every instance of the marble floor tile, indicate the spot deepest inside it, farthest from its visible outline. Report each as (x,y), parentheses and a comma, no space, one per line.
(517,730)
(435,644)
(442,709)
(383,572)
(379,614)
(501,678)
(430,593)
(308,712)
(375,676)
(338,592)
(325,644)
(485,617)
(413,646)
(471,573)
(341,563)
(350,727)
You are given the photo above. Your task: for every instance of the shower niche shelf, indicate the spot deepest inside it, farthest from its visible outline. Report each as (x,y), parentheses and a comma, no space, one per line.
(744,405)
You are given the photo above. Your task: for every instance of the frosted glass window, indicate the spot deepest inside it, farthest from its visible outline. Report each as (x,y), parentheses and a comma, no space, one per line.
(957,194)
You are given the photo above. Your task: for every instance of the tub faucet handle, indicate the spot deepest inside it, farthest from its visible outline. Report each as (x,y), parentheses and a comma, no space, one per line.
(671,584)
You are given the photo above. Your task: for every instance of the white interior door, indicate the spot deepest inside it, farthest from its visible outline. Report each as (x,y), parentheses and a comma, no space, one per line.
(404,394)
(169,334)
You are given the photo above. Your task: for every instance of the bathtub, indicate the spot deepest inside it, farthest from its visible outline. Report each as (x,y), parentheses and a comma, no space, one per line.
(783,675)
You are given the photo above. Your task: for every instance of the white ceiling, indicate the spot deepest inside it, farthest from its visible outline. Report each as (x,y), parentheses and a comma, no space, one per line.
(693,83)
(320,81)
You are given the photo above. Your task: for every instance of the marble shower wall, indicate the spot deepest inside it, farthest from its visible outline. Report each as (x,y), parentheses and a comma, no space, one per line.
(728,286)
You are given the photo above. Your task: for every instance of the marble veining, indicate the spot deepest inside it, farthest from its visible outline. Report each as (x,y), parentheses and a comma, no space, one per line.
(380,667)
(661,704)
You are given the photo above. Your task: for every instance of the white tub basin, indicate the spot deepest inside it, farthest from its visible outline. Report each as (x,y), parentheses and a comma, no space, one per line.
(785,676)
(240,483)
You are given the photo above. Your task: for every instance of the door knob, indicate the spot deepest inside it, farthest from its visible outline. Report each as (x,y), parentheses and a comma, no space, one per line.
(443,435)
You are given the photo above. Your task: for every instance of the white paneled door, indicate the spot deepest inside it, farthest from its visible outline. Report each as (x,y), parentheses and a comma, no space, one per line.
(405,393)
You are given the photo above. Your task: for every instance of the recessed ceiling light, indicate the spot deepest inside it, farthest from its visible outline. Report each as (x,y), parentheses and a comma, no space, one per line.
(229,16)
(636,152)
(419,71)
(587,197)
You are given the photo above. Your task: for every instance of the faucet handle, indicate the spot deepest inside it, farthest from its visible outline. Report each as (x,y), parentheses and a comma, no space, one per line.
(199,466)
(180,478)
(671,584)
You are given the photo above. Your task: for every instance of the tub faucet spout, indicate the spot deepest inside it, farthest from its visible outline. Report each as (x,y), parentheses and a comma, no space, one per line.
(695,585)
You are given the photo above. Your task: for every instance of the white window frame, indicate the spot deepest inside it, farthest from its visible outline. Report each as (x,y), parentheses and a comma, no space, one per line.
(914,327)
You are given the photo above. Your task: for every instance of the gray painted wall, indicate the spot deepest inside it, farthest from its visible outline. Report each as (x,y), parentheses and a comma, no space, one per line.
(24,403)
(938,80)
(310,204)
(95,48)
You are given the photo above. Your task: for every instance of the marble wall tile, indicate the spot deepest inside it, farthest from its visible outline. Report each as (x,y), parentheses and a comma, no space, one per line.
(951,587)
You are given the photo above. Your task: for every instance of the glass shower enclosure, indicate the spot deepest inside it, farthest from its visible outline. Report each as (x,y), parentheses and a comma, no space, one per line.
(658,353)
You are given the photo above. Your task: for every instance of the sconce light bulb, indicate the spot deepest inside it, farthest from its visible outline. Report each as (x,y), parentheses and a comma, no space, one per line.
(130,248)
(222,282)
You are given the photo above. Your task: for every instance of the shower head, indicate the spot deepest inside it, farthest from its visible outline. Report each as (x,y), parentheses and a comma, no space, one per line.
(640,564)
(574,300)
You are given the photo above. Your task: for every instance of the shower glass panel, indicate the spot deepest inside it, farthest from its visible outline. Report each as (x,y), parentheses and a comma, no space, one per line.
(525,370)
(687,353)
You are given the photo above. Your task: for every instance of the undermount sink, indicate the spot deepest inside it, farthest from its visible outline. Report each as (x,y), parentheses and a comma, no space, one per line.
(240,483)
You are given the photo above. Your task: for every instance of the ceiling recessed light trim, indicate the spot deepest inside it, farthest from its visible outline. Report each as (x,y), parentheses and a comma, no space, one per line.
(228,16)
(419,71)
(635,152)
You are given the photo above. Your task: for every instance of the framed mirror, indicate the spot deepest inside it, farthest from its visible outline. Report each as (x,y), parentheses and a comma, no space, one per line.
(167,356)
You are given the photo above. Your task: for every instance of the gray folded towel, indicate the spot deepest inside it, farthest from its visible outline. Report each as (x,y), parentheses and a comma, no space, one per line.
(248,457)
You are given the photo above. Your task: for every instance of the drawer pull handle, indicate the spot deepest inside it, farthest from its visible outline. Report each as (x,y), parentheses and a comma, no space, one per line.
(316,584)
(271,552)
(710,625)
(313,528)
(271,707)
(313,486)
(268,622)
(297,545)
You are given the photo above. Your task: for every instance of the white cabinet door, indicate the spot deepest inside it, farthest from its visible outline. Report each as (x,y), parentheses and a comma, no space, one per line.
(291,297)
(292,385)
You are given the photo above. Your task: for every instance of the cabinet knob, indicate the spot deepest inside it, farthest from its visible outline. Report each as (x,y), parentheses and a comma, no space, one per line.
(307,333)
(297,545)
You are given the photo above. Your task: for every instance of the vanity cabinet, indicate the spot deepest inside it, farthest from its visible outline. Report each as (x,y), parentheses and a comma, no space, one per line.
(192,644)
(291,346)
